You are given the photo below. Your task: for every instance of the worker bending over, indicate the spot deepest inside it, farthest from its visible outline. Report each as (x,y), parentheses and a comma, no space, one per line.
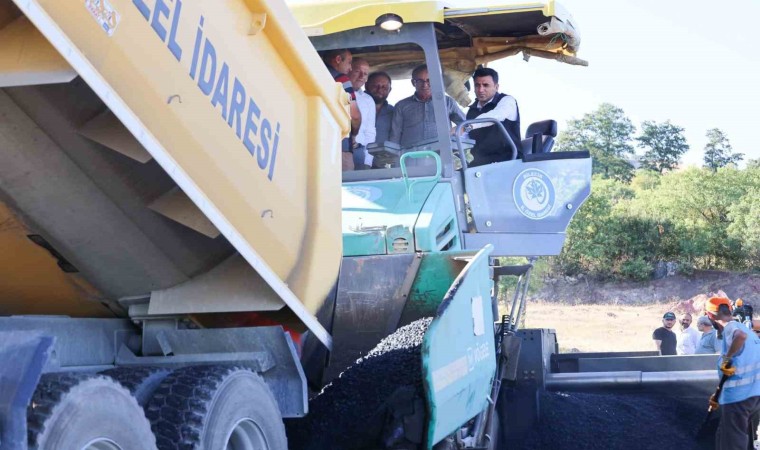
(740,362)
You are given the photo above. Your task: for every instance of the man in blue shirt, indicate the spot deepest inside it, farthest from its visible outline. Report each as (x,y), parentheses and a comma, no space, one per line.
(708,342)
(740,362)
(414,119)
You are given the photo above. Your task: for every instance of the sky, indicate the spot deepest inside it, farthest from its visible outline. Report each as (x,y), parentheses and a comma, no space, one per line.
(694,63)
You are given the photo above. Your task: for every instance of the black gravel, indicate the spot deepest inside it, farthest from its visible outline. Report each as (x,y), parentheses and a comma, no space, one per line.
(588,421)
(350,413)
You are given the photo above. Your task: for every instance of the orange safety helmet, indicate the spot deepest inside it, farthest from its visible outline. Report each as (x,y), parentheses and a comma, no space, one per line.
(714,303)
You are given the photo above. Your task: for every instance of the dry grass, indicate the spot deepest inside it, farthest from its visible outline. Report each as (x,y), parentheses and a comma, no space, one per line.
(598,328)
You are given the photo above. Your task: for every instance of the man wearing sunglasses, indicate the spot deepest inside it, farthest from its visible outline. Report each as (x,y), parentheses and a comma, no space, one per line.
(663,337)
(740,362)
(413,117)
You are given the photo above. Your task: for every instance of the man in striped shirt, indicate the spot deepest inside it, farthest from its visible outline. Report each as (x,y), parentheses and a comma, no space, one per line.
(338,62)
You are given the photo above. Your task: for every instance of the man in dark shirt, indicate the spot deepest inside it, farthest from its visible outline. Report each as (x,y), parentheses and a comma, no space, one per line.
(490,145)
(379,86)
(664,338)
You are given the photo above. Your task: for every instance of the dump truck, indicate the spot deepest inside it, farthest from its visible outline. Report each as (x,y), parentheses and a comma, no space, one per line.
(181,260)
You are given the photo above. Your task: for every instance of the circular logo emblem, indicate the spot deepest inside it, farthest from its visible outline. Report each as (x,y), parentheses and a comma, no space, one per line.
(533,193)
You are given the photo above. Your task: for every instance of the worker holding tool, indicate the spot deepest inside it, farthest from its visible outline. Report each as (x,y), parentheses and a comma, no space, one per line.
(739,365)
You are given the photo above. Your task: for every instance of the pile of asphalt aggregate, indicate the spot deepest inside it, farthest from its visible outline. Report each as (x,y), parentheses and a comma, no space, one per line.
(592,421)
(348,414)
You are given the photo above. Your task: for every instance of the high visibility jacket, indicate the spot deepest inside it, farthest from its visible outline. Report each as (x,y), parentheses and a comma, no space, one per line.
(745,383)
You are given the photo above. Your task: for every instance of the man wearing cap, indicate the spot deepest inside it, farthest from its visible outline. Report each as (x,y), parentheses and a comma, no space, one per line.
(740,362)
(664,338)
(708,342)
(687,339)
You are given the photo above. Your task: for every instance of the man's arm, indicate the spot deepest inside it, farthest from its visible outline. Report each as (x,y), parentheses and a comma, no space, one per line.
(369,118)
(695,339)
(737,343)
(455,114)
(505,109)
(356,118)
(714,343)
(396,125)
(658,344)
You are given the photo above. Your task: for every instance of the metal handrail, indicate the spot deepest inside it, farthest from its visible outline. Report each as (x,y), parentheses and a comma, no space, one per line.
(458,135)
(409,184)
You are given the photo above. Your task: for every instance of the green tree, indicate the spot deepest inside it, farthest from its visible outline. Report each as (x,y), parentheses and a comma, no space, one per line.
(646,179)
(698,203)
(605,240)
(718,151)
(753,163)
(664,144)
(745,217)
(607,134)
(705,219)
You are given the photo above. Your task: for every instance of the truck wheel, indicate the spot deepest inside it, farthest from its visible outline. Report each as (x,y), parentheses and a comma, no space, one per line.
(215,407)
(88,412)
(140,381)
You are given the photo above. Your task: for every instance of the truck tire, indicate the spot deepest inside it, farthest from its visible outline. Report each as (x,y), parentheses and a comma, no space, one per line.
(215,407)
(140,381)
(88,412)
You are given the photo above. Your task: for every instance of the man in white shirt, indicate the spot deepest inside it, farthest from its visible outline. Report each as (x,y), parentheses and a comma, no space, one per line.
(490,145)
(366,135)
(687,340)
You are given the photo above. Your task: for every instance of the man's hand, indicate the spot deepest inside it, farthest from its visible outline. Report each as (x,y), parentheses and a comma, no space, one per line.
(726,366)
(713,403)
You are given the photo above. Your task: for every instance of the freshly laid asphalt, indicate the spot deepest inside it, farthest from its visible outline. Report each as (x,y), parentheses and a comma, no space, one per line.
(591,421)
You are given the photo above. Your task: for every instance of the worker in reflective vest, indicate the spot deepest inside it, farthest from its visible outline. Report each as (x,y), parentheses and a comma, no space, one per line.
(740,362)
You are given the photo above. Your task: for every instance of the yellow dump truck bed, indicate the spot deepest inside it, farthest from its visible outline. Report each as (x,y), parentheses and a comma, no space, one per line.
(228,98)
